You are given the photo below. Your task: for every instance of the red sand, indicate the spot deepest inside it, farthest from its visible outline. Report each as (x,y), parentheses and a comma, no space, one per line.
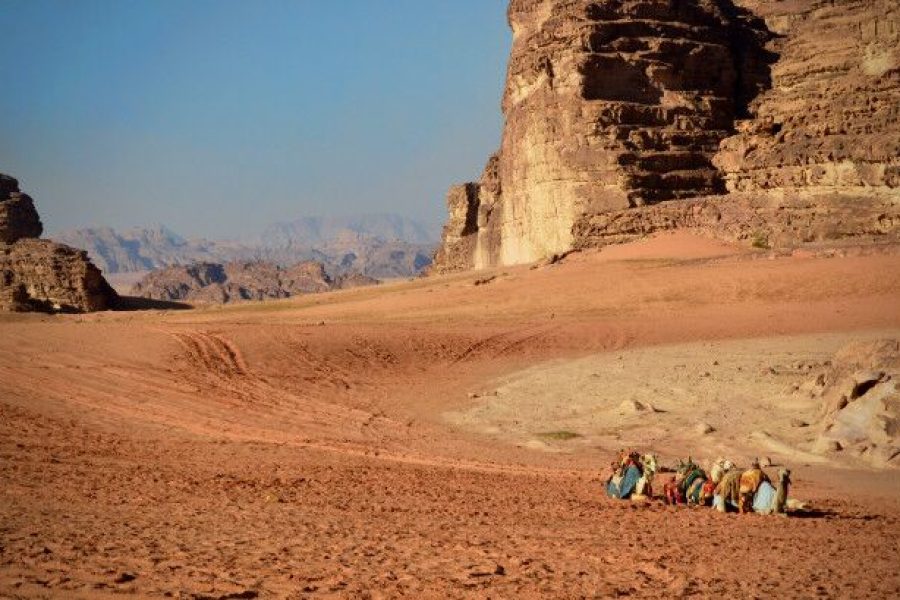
(297,449)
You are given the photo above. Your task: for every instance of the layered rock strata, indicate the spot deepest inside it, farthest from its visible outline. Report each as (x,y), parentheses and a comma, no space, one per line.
(39,274)
(831,120)
(768,221)
(617,111)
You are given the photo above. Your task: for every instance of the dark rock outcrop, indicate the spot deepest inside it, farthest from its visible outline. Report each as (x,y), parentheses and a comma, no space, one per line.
(40,275)
(18,217)
(618,108)
(241,281)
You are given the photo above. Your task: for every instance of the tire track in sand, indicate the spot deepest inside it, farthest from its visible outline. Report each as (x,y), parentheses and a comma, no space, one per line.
(213,356)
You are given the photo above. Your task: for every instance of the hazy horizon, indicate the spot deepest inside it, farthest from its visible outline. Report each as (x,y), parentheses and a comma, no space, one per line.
(250,233)
(215,118)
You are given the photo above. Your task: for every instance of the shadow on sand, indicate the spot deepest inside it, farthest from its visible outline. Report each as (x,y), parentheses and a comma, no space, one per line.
(824,513)
(133,303)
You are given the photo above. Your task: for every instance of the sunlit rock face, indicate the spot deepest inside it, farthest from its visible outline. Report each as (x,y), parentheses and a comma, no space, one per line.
(831,120)
(608,105)
(40,275)
(612,106)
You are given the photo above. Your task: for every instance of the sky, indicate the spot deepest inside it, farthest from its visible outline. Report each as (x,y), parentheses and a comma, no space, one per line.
(218,117)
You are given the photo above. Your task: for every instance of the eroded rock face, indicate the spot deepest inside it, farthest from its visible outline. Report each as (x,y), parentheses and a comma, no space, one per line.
(39,274)
(241,281)
(764,220)
(831,120)
(616,109)
(18,217)
(608,105)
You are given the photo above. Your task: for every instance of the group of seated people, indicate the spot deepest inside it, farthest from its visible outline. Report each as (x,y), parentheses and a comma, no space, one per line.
(724,486)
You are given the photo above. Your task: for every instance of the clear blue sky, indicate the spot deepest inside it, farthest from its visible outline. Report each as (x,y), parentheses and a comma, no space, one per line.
(216,117)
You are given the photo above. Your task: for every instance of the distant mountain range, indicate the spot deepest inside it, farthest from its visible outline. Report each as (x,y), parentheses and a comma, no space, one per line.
(381,246)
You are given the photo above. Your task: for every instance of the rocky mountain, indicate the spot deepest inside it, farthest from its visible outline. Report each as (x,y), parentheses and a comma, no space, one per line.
(38,274)
(241,281)
(315,231)
(772,121)
(376,245)
(353,252)
(137,249)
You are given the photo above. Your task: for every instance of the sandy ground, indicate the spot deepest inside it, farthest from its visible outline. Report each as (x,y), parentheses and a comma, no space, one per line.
(331,445)
(753,394)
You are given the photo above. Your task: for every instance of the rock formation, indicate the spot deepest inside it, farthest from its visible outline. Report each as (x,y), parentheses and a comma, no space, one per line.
(777,119)
(18,217)
(241,281)
(860,392)
(831,119)
(39,274)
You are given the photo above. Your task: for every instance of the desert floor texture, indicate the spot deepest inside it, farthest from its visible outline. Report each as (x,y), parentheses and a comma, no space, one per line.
(401,440)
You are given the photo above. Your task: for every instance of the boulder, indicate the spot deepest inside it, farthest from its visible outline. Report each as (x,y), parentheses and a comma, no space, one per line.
(704,429)
(861,402)
(354,280)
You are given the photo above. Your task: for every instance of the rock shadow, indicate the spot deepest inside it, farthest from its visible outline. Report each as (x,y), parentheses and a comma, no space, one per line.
(753,60)
(134,303)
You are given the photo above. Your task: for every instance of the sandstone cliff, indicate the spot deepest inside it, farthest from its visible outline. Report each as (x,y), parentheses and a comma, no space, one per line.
(39,274)
(781,117)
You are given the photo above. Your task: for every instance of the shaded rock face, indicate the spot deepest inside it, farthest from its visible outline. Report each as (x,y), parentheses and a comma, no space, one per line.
(18,217)
(241,281)
(39,274)
(615,108)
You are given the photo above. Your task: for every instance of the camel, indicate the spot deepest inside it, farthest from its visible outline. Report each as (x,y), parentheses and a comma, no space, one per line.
(728,490)
(689,485)
(766,499)
(718,469)
(644,487)
(771,500)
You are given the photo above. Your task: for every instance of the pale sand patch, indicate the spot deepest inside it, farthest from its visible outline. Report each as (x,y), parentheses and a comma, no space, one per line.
(749,391)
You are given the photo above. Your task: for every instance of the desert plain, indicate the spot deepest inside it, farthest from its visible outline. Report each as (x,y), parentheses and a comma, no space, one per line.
(444,437)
